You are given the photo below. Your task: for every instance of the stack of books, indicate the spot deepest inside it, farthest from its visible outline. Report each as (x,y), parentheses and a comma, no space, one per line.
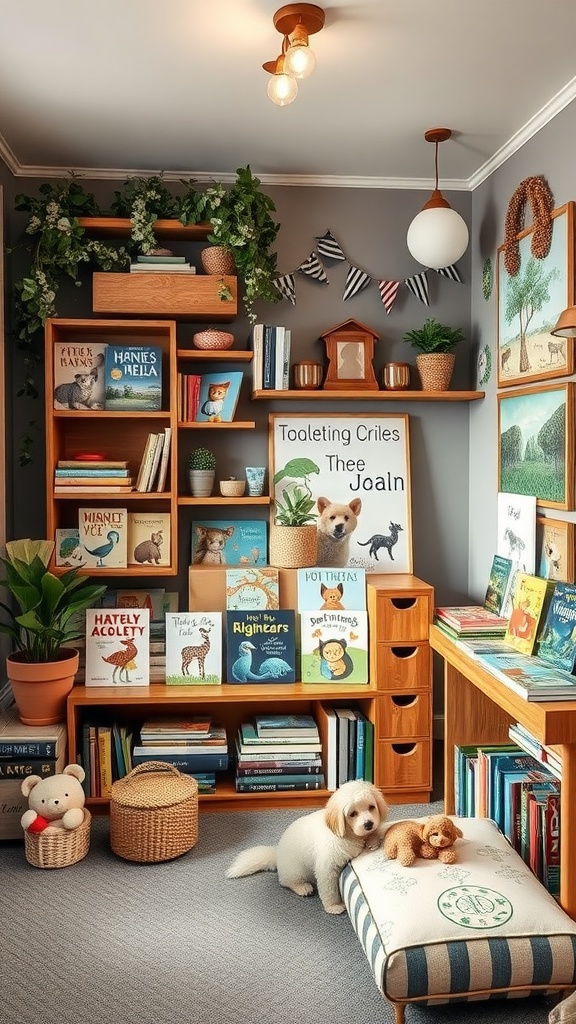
(154,463)
(277,753)
(195,745)
(271,363)
(79,476)
(162,265)
(25,750)
(470,621)
(106,756)
(347,744)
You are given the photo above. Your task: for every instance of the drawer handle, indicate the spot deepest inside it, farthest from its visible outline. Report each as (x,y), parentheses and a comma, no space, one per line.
(402,603)
(405,700)
(403,652)
(404,748)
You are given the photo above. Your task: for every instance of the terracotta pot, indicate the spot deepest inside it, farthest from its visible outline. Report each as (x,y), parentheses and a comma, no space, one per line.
(293,547)
(217,259)
(41,688)
(435,369)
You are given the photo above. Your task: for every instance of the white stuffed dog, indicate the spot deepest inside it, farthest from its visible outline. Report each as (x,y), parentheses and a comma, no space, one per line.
(54,802)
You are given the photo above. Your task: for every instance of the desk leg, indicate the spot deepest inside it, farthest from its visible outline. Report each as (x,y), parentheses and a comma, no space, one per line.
(568,831)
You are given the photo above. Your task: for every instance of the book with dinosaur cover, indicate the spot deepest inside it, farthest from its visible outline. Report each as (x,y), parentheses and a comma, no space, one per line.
(334,646)
(193,648)
(558,639)
(133,378)
(260,646)
(331,589)
(218,396)
(79,375)
(148,538)
(230,542)
(103,537)
(252,588)
(117,649)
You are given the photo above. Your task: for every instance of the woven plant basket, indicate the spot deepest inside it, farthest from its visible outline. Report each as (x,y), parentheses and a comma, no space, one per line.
(58,849)
(435,369)
(217,259)
(154,813)
(293,547)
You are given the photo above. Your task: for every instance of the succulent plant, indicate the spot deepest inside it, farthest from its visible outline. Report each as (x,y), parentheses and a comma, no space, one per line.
(201,458)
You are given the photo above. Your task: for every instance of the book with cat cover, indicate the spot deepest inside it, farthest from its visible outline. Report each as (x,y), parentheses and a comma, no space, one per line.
(331,589)
(558,639)
(103,535)
(149,538)
(193,648)
(218,397)
(260,646)
(498,583)
(252,588)
(230,542)
(133,378)
(530,602)
(334,646)
(79,375)
(117,652)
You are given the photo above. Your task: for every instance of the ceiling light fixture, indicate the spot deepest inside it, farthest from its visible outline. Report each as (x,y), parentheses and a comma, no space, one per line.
(296,22)
(437,237)
(566,326)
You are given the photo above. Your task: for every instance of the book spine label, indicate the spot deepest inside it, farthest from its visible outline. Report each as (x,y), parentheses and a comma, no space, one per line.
(20,769)
(188,762)
(243,786)
(269,769)
(38,748)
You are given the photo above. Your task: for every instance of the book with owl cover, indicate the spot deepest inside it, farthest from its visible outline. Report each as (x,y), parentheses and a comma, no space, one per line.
(252,588)
(334,646)
(218,397)
(103,536)
(79,375)
(230,542)
(260,646)
(193,648)
(117,646)
(133,378)
(331,589)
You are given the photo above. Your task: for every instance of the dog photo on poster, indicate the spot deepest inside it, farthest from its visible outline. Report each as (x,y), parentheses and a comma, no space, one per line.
(357,471)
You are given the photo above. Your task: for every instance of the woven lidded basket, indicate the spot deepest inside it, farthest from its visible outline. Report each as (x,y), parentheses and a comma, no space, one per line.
(154,813)
(59,848)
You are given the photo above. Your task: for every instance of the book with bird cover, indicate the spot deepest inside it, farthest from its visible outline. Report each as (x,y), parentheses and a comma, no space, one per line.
(193,648)
(103,536)
(261,646)
(117,647)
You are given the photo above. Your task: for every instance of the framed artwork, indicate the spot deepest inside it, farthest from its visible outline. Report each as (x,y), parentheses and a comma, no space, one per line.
(516,517)
(350,350)
(555,549)
(536,444)
(355,468)
(530,303)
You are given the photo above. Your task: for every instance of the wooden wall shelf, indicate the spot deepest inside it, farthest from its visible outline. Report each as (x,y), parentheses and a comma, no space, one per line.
(232,425)
(368,396)
(230,355)
(178,296)
(120,227)
(218,499)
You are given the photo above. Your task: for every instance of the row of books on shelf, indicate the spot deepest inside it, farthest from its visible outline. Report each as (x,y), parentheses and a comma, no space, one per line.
(93,473)
(111,538)
(208,397)
(520,793)
(25,750)
(97,375)
(271,362)
(163,264)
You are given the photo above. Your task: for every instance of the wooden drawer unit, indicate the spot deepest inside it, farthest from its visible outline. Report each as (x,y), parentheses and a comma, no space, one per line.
(400,609)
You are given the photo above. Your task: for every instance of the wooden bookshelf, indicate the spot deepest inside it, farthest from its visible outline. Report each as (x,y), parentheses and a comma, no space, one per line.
(369,396)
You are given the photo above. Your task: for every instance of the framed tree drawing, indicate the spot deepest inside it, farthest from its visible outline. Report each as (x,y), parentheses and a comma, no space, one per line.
(355,468)
(555,549)
(536,444)
(529,304)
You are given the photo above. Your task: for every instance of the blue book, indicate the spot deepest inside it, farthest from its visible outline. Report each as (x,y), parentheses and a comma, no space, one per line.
(269,357)
(230,542)
(360,745)
(558,639)
(331,589)
(261,646)
(133,378)
(277,784)
(187,763)
(218,397)
(90,471)
(498,584)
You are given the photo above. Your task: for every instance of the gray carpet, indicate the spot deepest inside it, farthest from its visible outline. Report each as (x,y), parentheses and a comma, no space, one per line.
(177,943)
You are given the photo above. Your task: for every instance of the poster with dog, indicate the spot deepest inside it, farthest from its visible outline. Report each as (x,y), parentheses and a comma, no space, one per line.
(356,470)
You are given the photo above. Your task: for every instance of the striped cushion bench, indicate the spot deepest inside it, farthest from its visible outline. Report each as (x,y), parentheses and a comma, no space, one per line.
(481,928)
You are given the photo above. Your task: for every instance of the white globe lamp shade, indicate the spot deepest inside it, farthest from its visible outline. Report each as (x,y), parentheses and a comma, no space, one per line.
(299,60)
(437,237)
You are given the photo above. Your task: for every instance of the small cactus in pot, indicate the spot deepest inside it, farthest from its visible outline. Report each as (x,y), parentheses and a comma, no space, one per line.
(202,466)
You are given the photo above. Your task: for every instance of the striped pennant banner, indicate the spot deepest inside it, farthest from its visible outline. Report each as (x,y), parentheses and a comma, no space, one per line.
(328,247)
(388,292)
(313,268)
(451,272)
(356,281)
(418,285)
(285,285)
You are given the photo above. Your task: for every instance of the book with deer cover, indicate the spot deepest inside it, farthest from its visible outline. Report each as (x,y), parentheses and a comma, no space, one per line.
(79,375)
(149,538)
(103,537)
(530,603)
(334,646)
(133,378)
(252,588)
(331,589)
(218,398)
(193,648)
(117,650)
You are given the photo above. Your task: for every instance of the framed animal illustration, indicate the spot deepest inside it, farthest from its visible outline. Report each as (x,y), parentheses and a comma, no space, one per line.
(555,549)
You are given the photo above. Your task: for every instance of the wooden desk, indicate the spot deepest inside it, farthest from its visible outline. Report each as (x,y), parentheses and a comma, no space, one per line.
(478,709)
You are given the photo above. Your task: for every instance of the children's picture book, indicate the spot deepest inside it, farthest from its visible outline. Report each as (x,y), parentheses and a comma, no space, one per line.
(103,537)
(148,538)
(230,542)
(498,583)
(68,551)
(516,518)
(298,726)
(117,648)
(252,588)
(79,375)
(558,638)
(260,646)
(155,600)
(334,646)
(133,378)
(193,648)
(331,589)
(529,607)
(218,396)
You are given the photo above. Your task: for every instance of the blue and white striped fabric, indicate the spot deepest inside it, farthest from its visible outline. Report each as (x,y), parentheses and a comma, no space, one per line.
(436,932)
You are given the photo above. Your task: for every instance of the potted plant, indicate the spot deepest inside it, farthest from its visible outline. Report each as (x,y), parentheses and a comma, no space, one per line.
(435,342)
(202,467)
(293,534)
(43,629)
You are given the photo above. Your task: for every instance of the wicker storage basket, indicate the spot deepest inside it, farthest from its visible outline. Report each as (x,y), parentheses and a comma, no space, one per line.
(58,849)
(154,813)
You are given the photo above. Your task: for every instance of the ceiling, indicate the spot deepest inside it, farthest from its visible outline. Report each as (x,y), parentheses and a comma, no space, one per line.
(116,88)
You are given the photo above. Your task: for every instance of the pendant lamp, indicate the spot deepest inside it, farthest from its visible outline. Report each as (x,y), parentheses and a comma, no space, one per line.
(437,237)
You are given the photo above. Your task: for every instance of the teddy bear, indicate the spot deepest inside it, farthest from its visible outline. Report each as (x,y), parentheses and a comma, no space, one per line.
(406,840)
(54,802)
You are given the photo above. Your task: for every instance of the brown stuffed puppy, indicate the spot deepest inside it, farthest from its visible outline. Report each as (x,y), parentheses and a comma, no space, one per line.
(406,840)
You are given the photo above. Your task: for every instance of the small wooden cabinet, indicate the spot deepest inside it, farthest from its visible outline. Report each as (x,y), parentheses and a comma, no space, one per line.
(400,610)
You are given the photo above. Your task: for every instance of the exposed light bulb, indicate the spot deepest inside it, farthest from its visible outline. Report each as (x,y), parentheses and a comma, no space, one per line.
(282,89)
(299,60)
